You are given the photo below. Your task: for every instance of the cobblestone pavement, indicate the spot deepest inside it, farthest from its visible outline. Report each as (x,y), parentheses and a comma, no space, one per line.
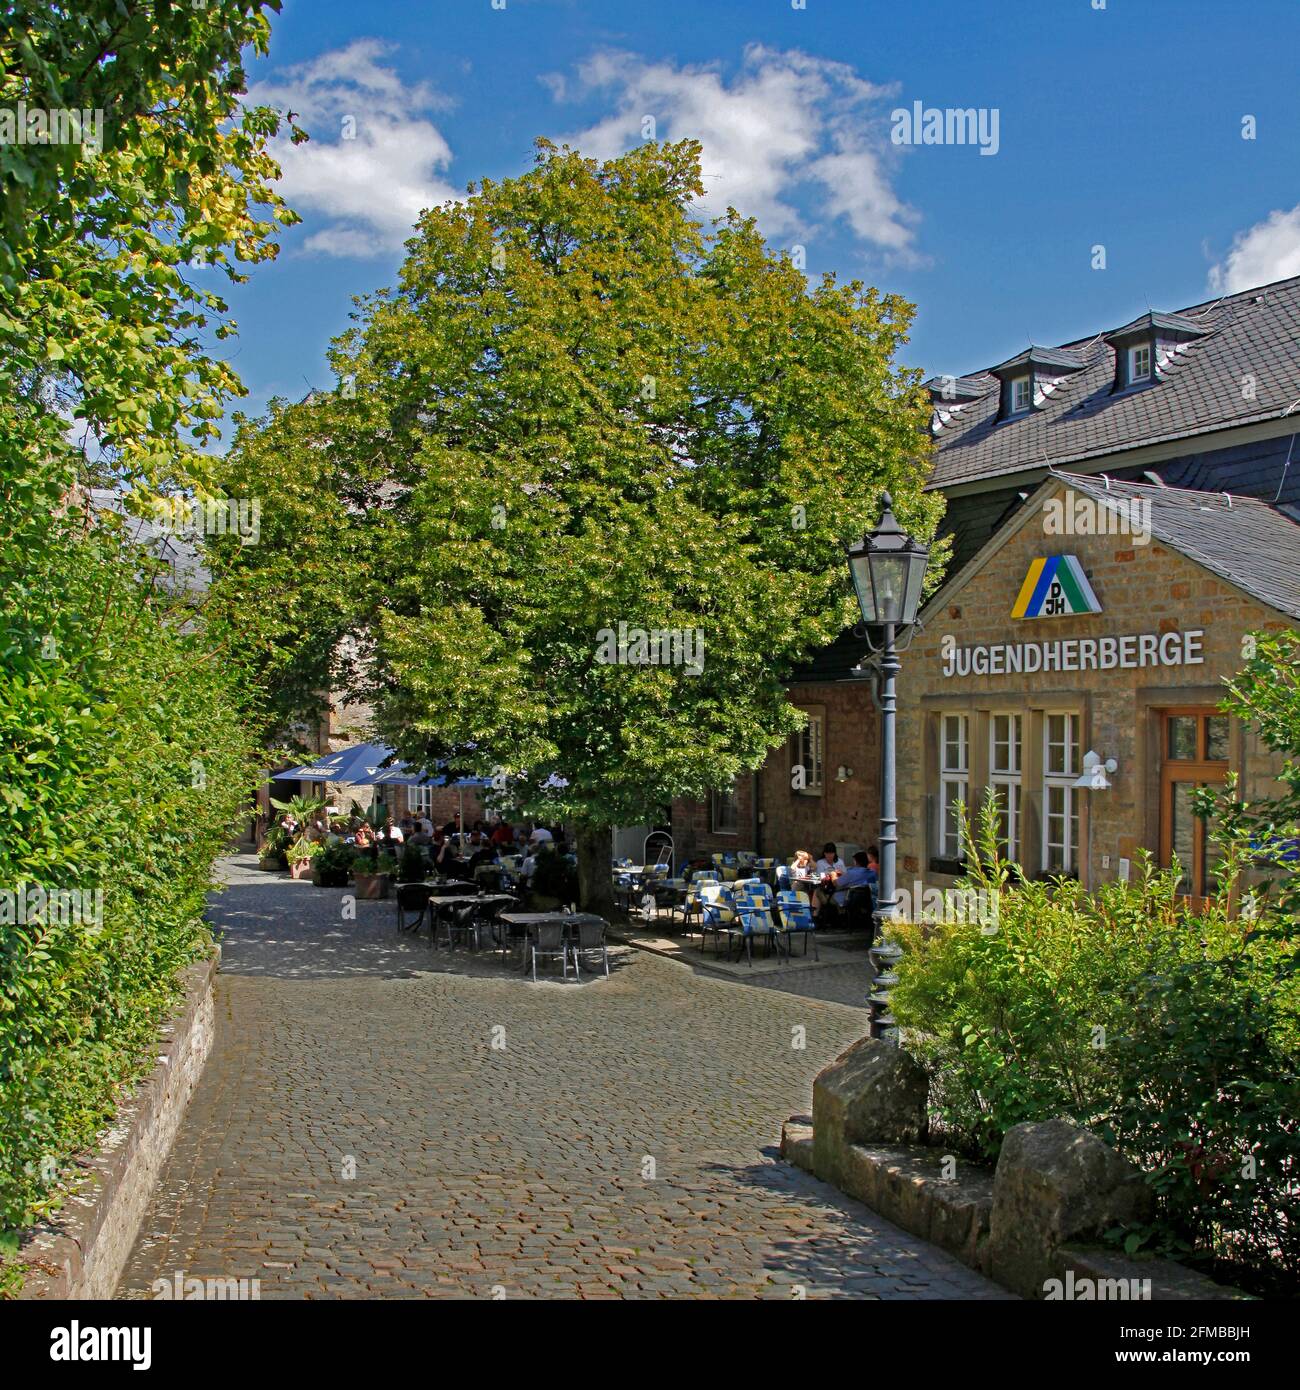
(357,1133)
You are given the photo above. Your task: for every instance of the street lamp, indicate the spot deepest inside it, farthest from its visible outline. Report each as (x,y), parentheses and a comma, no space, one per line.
(888,569)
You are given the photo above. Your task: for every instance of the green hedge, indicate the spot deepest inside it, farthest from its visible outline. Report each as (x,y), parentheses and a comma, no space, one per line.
(1174,1035)
(123,767)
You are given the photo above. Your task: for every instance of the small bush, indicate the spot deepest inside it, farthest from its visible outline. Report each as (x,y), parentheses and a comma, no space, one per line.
(1170,1033)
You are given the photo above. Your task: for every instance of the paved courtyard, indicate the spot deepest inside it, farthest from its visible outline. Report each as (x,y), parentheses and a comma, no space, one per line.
(381,1120)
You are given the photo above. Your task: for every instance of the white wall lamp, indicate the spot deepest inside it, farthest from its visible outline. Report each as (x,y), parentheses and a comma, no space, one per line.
(1093,778)
(842,773)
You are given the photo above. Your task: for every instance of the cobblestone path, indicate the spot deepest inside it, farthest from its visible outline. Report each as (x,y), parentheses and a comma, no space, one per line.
(356,1132)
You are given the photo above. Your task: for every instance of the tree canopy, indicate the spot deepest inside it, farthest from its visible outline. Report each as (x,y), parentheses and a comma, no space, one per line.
(579,408)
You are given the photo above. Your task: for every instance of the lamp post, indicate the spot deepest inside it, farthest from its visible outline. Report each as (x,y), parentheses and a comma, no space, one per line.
(888,569)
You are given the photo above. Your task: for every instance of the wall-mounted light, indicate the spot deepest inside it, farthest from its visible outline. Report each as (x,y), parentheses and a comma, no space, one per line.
(842,773)
(1093,778)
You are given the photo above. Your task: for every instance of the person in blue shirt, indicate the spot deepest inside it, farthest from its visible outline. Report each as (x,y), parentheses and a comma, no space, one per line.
(861,873)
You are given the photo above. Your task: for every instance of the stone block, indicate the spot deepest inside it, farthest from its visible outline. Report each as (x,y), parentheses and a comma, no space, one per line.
(873,1093)
(1056,1184)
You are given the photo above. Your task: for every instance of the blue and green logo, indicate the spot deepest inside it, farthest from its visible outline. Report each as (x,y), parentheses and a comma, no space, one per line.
(1055,587)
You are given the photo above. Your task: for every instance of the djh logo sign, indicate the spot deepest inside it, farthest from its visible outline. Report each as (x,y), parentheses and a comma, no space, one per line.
(1055,587)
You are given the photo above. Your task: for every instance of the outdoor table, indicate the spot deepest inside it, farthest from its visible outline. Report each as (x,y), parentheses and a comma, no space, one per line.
(525,921)
(460,899)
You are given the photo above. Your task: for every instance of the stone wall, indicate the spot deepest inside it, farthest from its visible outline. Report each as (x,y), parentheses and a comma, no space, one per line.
(81,1252)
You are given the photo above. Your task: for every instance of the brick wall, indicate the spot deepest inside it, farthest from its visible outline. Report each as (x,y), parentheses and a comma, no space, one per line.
(845,812)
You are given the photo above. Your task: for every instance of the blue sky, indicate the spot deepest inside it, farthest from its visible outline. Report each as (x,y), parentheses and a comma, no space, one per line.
(1119,127)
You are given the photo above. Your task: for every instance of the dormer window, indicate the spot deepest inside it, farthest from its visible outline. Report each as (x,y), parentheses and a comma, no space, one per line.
(1144,348)
(1030,378)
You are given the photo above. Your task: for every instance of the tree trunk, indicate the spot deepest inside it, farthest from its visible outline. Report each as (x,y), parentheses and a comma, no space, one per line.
(595,882)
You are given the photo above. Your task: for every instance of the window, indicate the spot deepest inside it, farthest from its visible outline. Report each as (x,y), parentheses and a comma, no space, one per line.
(1195,754)
(1139,363)
(419,801)
(1060,799)
(808,751)
(1022,394)
(722,811)
(954,772)
(1004,777)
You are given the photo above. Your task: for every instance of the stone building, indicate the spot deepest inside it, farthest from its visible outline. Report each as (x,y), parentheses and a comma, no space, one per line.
(1123,510)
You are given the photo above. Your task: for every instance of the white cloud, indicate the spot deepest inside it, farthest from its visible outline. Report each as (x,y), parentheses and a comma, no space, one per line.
(786,128)
(1270,250)
(374,160)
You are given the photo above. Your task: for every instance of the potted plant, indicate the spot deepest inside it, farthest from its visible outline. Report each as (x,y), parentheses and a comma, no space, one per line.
(414,867)
(300,856)
(272,852)
(373,877)
(331,866)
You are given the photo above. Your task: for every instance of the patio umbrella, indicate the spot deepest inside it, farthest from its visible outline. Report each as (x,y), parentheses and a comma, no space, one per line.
(360,765)
(364,765)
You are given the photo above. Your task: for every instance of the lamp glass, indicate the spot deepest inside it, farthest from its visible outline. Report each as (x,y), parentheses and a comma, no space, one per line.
(889,584)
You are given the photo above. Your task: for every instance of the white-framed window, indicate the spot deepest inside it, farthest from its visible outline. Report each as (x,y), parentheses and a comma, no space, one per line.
(1139,363)
(1060,799)
(808,750)
(722,811)
(954,781)
(1005,761)
(419,801)
(1022,394)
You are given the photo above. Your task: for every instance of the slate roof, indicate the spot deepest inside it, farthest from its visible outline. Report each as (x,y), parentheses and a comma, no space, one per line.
(1255,333)
(1241,539)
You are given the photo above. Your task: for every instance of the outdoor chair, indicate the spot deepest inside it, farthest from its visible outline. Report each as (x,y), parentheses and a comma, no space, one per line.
(798,919)
(674,893)
(590,942)
(755,923)
(716,913)
(859,908)
(455,921)
(548,943)
(782,875)
(411,898)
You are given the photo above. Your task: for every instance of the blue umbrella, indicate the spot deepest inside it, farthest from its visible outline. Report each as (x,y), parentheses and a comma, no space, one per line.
(360,765)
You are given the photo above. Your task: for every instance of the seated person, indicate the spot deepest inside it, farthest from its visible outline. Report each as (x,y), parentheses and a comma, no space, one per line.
(859,874)
(421,836)
(803,873)
(828,869)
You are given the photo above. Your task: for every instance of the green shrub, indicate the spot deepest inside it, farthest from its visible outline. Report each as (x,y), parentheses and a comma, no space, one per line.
(122,770)
(1171,1033)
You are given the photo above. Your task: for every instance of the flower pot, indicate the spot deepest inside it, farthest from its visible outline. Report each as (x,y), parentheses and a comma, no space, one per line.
(371,885)
(300,868)
(272,863)
(330,878)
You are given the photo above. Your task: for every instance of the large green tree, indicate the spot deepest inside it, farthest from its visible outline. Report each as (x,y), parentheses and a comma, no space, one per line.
(582,408)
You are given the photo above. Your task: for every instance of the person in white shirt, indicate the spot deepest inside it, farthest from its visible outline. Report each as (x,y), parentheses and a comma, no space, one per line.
(395,835)
(829,869)
(540,835)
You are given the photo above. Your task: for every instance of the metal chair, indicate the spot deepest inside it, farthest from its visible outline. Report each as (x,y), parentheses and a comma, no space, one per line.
(716,913)
(798,919)
(591,939)
(859,910)
(752,922)
(548,943)
(412,897)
